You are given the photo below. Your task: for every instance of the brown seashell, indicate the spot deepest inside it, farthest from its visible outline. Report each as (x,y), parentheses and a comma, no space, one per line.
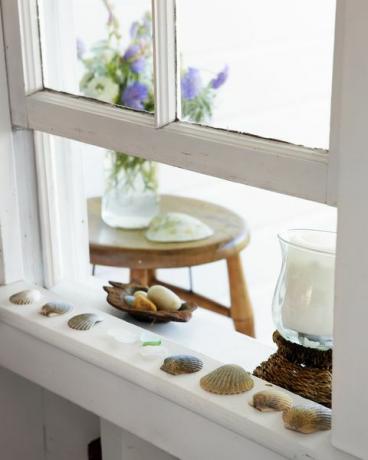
(26,297)
(84,322)
(142,303)
(55,309)
(227,380)
(271,400)
(181,364)
(307,419)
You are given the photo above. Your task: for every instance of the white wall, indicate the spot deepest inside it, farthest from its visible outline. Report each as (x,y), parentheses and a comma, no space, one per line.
(38,425)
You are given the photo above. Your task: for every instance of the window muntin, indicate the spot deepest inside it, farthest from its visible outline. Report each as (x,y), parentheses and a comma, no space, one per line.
(261,67)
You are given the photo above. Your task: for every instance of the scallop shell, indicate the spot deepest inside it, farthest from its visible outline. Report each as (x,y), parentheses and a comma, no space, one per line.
(84,322)
(55,309)
(271,400)
(182,364)
(174,227)
(307,419)
(227,380)
(26,297)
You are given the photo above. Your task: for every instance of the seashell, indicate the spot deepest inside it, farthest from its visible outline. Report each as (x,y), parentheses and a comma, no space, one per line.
(143,293)
(26,297)
(129,299)
(227,380)
(84,322)
(181,364)
(174,227)
(307,419)
(55,309)
(163,298)
(142,303)
(271,400)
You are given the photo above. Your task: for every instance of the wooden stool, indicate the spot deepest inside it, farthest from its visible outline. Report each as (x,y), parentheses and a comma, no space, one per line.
(129,248)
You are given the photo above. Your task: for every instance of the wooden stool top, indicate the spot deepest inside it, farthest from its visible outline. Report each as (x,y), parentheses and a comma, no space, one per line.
(129,248)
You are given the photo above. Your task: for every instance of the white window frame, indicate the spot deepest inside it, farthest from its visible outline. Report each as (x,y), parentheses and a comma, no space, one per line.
(272,165)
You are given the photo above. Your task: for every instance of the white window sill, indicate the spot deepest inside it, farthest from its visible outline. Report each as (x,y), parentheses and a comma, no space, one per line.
(88,369)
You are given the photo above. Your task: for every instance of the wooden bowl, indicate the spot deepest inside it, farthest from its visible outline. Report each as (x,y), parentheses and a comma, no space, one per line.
(117,291)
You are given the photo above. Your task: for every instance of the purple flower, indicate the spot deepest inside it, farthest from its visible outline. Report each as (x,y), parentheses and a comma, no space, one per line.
(191,84)
(138,65)
(81,48)
(134,29)
(134,95)
(220,79)
(131,52)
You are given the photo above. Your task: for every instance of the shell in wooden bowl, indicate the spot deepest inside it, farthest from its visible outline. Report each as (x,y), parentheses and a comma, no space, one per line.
(230,379)
(116,297)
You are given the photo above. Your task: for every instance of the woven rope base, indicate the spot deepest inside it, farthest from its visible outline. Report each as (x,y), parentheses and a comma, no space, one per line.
(304,371)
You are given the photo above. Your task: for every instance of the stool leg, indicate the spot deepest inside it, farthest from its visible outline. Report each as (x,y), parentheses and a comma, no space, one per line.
(241,307)
(139,276)
(146,277)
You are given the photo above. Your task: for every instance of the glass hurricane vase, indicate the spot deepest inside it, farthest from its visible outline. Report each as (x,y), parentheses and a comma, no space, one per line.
(131,197)
(303,299)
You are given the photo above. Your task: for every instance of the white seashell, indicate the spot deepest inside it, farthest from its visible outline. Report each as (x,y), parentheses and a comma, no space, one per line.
(26,297)
(177,227)
(55,309)
(84,322)
(163,298)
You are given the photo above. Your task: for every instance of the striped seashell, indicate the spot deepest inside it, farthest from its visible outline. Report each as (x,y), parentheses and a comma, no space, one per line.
(307,419)
(26,297)
(227,380)
(181,364)
(271,401)
(55,309)
(84,322)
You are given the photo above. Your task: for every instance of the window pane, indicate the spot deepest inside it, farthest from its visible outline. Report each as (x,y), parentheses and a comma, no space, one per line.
(262,67)
(100,49)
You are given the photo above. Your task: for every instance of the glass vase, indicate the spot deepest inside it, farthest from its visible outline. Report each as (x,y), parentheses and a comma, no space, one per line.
(304,294)
(131,197)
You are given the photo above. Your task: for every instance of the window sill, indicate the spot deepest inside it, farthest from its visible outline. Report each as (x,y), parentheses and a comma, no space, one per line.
(134,394)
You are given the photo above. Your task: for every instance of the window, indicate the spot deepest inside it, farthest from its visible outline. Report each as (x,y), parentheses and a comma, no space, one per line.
(273,61)
(308,172)
(285,167)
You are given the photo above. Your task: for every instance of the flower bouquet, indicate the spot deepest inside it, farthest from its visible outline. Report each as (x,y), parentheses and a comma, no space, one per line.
(124,76)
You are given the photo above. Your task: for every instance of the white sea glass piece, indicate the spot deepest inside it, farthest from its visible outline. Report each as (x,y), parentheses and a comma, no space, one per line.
(123,335)
(175,227)
(153,352)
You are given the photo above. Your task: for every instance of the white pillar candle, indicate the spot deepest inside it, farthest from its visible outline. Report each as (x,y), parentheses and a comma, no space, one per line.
(308,288)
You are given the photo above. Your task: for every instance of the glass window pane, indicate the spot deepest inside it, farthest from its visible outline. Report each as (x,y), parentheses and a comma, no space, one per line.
(262,67)
(101,49)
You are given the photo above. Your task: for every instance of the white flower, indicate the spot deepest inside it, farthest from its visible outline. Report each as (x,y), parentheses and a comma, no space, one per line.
(102,88)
